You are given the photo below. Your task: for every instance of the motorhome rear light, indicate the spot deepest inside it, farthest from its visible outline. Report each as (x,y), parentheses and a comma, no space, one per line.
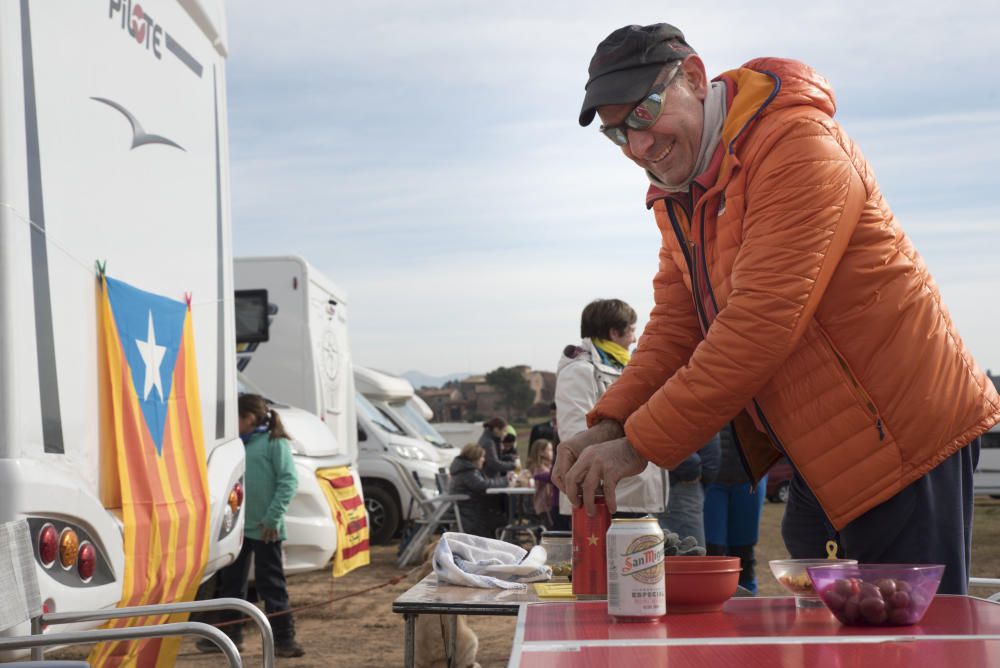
(86,561)
(234,500)
(69,545)
(227,520)
(48,545)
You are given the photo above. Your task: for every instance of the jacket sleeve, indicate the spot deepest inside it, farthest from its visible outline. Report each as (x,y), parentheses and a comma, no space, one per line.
(286,481)
(711,459)
(576,393)
(666,343)
(493,461)
(804,199)
(687,470)
(475,481)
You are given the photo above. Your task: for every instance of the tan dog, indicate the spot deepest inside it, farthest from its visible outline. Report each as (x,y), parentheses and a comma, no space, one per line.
(432,632)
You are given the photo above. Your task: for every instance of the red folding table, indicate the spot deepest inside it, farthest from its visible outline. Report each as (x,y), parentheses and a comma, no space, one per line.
(959,631)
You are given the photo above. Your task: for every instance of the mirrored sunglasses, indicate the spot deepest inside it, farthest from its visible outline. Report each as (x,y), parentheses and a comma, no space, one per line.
(642,116)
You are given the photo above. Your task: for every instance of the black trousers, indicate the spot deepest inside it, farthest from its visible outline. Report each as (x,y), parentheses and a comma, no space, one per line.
(269,581)
(928,522)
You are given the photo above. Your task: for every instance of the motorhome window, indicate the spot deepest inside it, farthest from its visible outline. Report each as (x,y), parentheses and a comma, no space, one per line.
(378,417)
(251,316)
(991,439)
(416,420)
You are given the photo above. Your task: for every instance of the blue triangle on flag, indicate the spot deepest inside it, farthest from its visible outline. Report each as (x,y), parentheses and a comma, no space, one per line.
(150,329)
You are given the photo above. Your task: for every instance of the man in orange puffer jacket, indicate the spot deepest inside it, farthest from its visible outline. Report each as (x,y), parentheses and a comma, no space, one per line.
(788,302)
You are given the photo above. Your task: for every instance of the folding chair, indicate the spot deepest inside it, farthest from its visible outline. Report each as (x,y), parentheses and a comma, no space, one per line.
(437,512)
(23,603)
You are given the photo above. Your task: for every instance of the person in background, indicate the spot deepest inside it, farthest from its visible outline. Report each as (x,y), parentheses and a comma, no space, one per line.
(732,512)
(547,429)
(584,373)
(789,302)
(508,448)
(480,515)
(541,454)
(493,431)
(271,482)
(685,507)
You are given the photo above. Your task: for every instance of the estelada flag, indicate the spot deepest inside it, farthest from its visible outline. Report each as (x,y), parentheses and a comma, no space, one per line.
(352,521)
(153,425)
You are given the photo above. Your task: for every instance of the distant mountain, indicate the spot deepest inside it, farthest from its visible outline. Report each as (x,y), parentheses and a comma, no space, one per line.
(419,379)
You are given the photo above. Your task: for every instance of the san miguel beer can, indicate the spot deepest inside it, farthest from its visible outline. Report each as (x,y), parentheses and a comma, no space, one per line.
(636,588)
(590,566)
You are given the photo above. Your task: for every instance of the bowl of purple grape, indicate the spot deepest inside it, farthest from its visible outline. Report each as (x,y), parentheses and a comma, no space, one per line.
(876,594)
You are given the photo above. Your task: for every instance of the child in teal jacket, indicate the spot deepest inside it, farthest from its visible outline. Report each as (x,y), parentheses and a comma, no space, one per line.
(271,482)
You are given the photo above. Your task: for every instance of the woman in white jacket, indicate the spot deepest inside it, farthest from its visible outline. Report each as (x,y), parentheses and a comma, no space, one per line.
(585,371)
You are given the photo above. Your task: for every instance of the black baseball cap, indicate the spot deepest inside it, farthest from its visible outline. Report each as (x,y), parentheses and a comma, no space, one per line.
(627,62)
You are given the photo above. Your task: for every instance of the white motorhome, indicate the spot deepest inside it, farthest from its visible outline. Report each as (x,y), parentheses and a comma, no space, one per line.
(304,368)
(401,453)
(113,147)
(396,396)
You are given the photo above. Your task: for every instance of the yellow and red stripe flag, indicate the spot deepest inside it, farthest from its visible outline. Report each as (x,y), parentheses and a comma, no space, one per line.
(351,518)
(150,384)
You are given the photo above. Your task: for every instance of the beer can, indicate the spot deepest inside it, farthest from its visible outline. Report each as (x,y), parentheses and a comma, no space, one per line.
(590,566)
(636,586)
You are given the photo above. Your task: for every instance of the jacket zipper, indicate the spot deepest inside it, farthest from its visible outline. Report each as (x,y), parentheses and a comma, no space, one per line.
(690,250)
(715,306)
(859,391)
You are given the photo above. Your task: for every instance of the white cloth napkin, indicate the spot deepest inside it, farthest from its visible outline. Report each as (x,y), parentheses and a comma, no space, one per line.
(474,561)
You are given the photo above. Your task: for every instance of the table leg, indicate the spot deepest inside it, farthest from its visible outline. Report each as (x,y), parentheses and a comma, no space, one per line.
(408,659)
(452,640)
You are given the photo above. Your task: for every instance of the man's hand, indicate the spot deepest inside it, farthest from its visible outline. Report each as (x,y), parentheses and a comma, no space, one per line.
(570,449)
(605,463)
(268,535)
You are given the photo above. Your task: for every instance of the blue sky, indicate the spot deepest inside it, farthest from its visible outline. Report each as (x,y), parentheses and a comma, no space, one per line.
(426,157)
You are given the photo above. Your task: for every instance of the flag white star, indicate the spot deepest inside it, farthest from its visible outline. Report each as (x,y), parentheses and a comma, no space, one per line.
(152,356)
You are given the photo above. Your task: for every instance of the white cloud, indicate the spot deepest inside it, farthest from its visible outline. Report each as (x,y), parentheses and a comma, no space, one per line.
(426,156)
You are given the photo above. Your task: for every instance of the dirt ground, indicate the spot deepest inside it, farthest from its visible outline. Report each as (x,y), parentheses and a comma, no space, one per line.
(361,631)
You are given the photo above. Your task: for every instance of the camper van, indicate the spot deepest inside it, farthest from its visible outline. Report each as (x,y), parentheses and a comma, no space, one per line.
(300,361)
(113,146)
(396,397)
(401,453)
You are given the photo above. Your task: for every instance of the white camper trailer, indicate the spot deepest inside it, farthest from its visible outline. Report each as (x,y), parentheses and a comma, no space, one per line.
(305,364)
(396,396)
(401,453)
(113,147)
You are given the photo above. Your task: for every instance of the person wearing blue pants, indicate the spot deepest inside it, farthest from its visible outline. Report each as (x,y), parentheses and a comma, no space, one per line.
(732,512)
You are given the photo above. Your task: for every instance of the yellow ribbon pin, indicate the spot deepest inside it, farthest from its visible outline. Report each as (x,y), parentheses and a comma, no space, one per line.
(831,549)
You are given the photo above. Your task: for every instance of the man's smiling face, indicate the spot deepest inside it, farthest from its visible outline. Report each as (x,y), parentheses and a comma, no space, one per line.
(668,149)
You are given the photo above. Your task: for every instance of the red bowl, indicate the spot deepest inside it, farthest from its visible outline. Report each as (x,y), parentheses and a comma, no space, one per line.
(700,564)
(700,584)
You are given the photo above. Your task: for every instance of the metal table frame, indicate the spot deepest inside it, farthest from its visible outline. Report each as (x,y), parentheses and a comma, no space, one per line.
(427,598)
